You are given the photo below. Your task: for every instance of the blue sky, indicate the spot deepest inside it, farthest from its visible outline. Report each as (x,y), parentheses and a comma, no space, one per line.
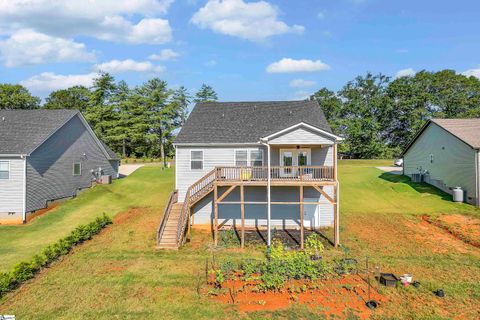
(246,50)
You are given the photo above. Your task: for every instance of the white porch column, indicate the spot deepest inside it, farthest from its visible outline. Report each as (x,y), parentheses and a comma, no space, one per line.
(269,203)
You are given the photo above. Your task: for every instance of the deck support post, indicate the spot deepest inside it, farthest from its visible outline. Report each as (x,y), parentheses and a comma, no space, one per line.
(336,217)
(336,196)
(215,209)
(302,236)
(189,221)
(242,209)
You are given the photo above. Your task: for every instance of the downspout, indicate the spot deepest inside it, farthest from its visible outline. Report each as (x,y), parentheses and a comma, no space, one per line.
(24,209)
(269,203)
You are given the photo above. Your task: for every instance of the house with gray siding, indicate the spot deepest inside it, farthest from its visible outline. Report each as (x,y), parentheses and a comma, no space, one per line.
(258,165)
(46,155)
(446,153)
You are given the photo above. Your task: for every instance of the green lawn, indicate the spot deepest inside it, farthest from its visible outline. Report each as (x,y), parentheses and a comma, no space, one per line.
(141,189)
(119,274)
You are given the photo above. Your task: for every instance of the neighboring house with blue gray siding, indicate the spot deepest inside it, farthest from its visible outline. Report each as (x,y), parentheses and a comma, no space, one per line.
(255,165)
(446,153)
(46,155)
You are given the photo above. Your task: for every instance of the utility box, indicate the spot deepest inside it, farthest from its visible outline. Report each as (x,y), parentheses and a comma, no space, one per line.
(106,179)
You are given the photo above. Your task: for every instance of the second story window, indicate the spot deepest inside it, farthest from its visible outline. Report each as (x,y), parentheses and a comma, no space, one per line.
(4,170)
(256,158)
(196,159)
(241,158)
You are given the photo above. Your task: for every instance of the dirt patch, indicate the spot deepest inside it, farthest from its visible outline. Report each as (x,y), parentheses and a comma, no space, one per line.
(336,296)
(462,227)
(126,216)
(40,212)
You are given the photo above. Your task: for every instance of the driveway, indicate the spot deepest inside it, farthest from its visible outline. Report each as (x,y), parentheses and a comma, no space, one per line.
(127,169)
(394,170)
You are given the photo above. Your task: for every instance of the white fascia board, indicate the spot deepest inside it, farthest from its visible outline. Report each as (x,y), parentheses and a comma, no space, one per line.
(302,124)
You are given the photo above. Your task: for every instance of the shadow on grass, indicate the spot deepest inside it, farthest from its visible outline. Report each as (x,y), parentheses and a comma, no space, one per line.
(419,187)
(289,237)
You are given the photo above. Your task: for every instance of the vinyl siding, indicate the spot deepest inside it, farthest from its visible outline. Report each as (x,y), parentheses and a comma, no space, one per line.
(50,167)
(256,214)
(212,157)
(301,136)
(453,161)
(315,215)
(11,191)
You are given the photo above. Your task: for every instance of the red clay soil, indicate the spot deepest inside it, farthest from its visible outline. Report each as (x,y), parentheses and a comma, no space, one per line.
(41,212)
(464,228)
(334,296)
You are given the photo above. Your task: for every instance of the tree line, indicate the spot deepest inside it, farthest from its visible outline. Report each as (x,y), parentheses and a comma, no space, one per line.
(134,122)
(378,115)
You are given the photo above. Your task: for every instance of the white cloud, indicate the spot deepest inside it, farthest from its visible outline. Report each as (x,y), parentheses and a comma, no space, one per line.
(302,65)
(105,19)
(27,47)
(255,21)
(472,73)
(301,83)
(129,65)
(409,72)
(321,15)
(49,81)
(165,55)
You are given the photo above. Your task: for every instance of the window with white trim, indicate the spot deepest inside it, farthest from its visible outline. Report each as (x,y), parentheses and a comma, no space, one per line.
(246,157)
(256,158)
(196,160)
(77,169)
(241,158)
(4,170)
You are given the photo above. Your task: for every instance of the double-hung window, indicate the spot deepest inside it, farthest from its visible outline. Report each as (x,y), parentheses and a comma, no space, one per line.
(244,158)
(196,160)
(256,158)
(241,158)
(4,170)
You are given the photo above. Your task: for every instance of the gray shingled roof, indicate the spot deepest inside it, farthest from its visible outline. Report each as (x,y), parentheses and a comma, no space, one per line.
(467,130)
(21,131)
(247,122)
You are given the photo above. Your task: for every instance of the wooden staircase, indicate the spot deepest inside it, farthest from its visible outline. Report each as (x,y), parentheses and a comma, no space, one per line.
(173,226)
(169,236)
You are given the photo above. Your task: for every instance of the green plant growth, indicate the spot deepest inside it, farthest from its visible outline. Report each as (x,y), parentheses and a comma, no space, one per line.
(229,239)
(280,266)
(26,270)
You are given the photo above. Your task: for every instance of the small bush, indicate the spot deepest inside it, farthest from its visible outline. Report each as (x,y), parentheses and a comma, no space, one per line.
(26,270)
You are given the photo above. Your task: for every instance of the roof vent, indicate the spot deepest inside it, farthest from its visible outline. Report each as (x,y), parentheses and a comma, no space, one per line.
(3,118)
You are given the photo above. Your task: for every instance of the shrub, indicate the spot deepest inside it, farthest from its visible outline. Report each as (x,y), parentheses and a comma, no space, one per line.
(313,246)
(26,270)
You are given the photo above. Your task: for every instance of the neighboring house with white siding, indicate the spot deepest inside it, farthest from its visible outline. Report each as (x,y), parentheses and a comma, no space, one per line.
(46,155)
(254,164)
(446,153)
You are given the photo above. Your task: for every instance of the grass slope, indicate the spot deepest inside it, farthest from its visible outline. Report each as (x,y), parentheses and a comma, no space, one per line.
(119,274)
(139,190)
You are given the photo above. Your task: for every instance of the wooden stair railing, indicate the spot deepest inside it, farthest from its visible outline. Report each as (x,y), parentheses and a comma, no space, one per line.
(195,193)
(173,198)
